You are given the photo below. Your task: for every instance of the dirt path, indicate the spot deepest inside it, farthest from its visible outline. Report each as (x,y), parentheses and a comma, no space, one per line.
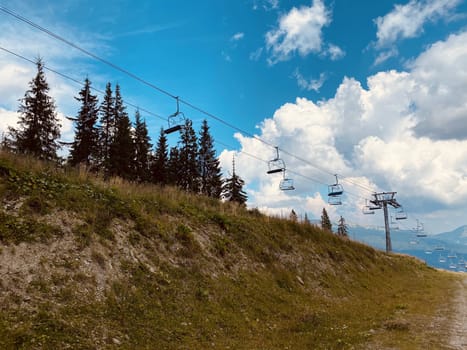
(458,338)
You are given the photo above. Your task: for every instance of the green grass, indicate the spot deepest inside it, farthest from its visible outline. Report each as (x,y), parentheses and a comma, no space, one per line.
(155,268)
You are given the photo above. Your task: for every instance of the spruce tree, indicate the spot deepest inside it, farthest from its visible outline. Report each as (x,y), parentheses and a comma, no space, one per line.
(342,228)
(85,145)
(232,189)
(325,222)
(122,148)
(142,146)
(173,169)
(293,216)
(306,220)
(160,162)
(188,159)
(107,130)
(210,171)
(39,128)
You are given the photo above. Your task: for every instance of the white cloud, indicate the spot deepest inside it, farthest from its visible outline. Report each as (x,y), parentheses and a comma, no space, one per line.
(439,98)
(7,118)
(385,55)
(406,132)
(266,5)
(407,21)
(334,52)
(256,55)
(237,36)
(16,72)
(14,81)
(300,30)
(310,84)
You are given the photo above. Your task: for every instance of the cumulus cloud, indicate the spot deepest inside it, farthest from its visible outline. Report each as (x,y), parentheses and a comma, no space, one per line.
(407,21)
(386,55)
(16,73)
(405,132)
(300,31)
(334,52)
(439,98)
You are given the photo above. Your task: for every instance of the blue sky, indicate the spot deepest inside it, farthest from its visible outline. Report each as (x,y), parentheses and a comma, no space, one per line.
(374,91)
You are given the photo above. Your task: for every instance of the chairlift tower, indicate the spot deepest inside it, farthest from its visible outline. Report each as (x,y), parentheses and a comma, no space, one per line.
(382,200)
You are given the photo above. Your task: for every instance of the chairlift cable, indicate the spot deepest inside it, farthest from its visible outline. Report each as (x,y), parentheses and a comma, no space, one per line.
(88,53)
(163,91)
(79,82)
(157,88)
(162,118)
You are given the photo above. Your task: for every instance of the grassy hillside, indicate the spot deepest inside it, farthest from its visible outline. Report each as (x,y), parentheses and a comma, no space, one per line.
(91,265)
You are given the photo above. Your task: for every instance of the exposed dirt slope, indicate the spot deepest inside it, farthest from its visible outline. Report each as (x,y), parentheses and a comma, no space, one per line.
(90,265)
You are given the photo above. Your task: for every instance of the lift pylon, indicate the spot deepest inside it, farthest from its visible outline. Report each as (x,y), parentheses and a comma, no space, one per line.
(382,200)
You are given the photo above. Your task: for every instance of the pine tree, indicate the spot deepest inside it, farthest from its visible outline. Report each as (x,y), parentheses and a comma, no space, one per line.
(160,161)
(39,128)
(306,220)
(232,190)
(173,168)
(107,130)
(122,148)
(188,159)
(325,222)
(342,228)
(85,145)
(143,146)
(210,177)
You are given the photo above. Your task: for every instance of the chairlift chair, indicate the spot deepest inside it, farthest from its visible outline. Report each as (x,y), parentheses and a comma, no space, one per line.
(335,192)
(334,200)
(420,230)
(367,208)
(175,121)
(401,214)
(393,224)
(335,189)
(286,184)
(276,165)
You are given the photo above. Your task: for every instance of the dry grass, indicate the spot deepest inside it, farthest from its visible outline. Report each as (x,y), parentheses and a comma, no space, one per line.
(139,266)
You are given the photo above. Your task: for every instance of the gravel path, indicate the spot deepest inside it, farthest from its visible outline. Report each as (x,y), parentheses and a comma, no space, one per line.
(458,339)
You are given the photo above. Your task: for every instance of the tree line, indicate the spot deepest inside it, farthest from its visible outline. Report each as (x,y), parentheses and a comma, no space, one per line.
(106,142)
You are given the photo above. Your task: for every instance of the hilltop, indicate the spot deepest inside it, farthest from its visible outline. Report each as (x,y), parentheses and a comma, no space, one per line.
(87,264)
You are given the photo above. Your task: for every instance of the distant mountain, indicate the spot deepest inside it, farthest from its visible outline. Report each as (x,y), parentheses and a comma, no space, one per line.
(445,250)
(457,236)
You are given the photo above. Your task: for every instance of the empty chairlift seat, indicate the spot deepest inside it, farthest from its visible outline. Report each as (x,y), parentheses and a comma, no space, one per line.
(401,214)
(286,184)
(276,165)
(335,192)
(176,121)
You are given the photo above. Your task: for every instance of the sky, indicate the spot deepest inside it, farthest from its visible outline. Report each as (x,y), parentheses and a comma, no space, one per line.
(373,91)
